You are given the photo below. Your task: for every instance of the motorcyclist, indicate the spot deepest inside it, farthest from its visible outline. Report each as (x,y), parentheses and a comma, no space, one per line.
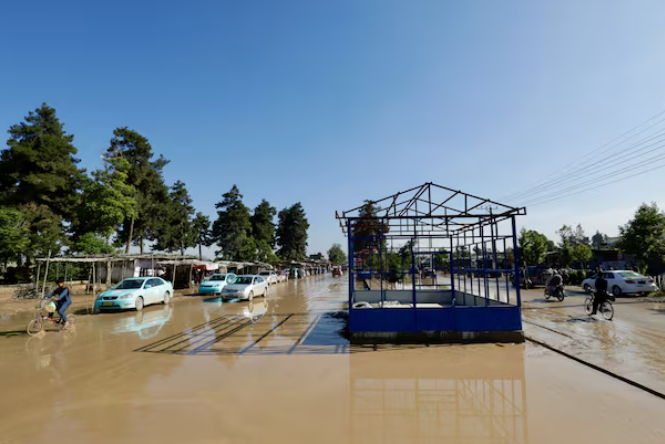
(555,281)
(601,292)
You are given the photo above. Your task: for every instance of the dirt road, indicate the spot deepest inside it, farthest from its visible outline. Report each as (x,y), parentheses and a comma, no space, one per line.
(278,371)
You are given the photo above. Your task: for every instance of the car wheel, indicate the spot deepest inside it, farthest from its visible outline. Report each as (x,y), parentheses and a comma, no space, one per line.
(616,291)
(139,303)
(251,296)
(265,293)
(587,289)
(167,298)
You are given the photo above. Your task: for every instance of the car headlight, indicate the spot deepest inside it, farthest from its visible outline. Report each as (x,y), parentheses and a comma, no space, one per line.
(126,296)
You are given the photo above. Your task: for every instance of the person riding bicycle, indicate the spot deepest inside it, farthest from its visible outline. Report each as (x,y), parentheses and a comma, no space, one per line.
(64,300)
(555,281)
(601,292)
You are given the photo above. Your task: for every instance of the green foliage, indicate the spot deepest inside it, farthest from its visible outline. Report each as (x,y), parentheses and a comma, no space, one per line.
(146,176)
(177,231)
(39,166)
(14,233)
(367,226)
(582,253)
(232,231)
(201,225)
(263,227)
(39,177)
(599,240)
(336,255)
(90,243)
(532,246)
(643,236)
(108,199)
(292,233)
(570,238)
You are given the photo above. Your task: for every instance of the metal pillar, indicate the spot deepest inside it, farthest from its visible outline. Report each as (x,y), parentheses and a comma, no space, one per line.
(516,258)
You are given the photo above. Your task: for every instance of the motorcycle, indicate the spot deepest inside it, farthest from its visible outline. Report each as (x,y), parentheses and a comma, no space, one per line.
(558,292)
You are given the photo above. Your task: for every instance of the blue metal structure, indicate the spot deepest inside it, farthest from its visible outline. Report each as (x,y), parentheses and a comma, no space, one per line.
(472,241)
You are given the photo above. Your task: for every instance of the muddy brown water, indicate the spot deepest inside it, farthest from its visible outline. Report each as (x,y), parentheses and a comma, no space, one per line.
(279,371)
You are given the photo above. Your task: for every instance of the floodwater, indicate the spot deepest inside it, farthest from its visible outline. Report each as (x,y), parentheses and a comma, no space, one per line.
(280,371)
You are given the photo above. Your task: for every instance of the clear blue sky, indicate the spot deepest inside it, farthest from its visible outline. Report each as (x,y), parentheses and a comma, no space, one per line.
(333,102)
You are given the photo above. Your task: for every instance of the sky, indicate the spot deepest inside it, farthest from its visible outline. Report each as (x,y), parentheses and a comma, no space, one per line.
(329,103)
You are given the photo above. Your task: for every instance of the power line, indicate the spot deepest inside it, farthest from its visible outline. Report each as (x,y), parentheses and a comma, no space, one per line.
(543,182)
(596,168)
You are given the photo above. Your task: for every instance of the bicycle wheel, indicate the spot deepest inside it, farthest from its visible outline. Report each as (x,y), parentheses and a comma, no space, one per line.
(34,327)
(588,305)
(607,310)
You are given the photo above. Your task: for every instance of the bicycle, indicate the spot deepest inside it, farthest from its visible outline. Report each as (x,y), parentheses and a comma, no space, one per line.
(37,325)
(606,308)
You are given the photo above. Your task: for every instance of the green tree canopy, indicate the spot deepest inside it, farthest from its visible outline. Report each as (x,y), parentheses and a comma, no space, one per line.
(232,231)
(263,231)
(108,200)
(336,255)
(14,234)
(532,246)
(292,233)
(201,224)
(644,236)
(177,232)
(598,240)
(582,253)
(146,176)
(90,243)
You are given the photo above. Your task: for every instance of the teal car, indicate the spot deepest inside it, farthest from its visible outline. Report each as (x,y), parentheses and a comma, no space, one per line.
(135,293)
(216,283)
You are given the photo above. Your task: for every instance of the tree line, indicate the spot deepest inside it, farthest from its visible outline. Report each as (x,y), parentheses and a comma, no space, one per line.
(49,204)
(643,236)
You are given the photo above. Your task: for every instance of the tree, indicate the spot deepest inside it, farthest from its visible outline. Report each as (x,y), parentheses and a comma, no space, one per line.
(644,236)
(532,246)
(232,231)
(367,226)
(263,231)
(90,243)
(582,253)
(201,225)
(599,240)
(107,199)
(146,176)
(39,177)
(177,232)
(336,255)
(292,233)
(14,234)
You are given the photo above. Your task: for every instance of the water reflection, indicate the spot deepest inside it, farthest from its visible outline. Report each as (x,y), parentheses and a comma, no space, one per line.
(146,323)
(455,400)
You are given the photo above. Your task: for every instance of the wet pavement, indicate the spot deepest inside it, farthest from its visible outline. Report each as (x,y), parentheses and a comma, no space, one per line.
(631,345)
(280,370)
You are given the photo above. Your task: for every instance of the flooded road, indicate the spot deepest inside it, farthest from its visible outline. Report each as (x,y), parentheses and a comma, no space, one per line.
(280,371)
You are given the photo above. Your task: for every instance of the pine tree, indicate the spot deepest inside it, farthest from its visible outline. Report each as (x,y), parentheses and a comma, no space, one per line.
(177,232)
(201,224)
(232,231)
(292,233)
(263,231)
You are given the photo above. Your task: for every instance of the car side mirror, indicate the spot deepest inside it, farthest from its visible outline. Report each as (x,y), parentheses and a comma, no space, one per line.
(148,286)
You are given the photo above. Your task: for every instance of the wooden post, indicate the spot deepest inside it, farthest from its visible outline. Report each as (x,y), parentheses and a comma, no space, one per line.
(109,270)
(48,262)
(39,267)
(175,265)
(191,269)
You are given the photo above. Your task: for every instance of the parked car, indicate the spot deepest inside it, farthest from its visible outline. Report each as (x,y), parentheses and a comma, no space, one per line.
(282,276)
(269,276)
(246,287)
(538,276)
(623,282)
(216,283)
(135,293)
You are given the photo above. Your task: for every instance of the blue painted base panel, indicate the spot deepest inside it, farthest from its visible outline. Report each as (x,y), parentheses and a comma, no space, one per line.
(460,319)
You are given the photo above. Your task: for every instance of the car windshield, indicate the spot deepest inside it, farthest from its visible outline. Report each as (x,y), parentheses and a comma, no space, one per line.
(243,280)
(130,284)
(217,277)
(630,275)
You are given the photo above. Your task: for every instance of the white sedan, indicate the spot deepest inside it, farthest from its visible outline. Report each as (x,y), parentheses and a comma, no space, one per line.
(246,287)
(623,282)
(269,276)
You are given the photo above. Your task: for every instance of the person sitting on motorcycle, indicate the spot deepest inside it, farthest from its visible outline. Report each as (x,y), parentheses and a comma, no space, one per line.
(601,292)
(63,301)
(554,282)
